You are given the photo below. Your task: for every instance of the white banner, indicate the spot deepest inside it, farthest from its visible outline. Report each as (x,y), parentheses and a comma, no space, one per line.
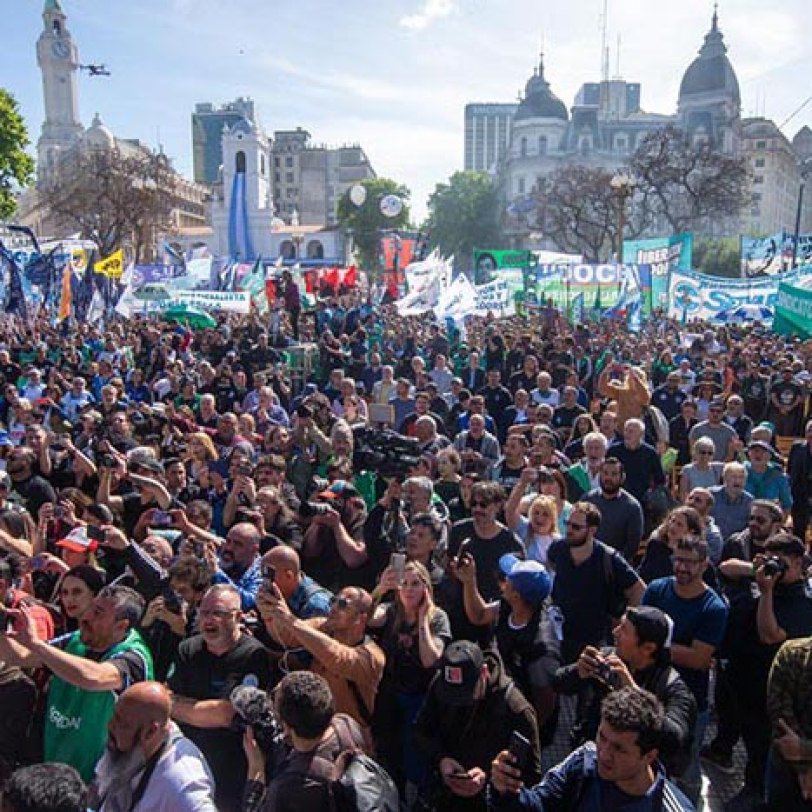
(494,297)
(457,300)
(699,296)
(421,275)
(228,301)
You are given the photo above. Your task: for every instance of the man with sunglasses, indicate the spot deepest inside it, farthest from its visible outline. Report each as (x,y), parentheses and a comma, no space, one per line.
(208,667)
(700,617)
(342,652)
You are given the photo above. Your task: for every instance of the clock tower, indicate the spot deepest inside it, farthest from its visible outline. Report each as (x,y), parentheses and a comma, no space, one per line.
(58,60)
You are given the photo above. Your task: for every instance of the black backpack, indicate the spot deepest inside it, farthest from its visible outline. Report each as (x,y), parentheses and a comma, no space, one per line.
(359,783)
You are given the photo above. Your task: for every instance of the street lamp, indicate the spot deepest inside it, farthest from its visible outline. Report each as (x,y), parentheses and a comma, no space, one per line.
(805,168)
(623,185)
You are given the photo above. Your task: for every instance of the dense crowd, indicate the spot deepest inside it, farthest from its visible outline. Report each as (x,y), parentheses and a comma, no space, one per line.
(243,573)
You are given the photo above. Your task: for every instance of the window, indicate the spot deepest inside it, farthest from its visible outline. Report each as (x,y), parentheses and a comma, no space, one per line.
(542,145)
(289,160)
(759,162)
(761,145)
(276,161)
(288,177)
(523,147)
(520,186)
(262,164)
(758,179)
(277,177)
(239,162)
(585,146)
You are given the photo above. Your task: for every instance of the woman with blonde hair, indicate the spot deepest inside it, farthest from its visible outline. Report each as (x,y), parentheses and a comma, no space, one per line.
(201,452)
(533,518)
(413,632)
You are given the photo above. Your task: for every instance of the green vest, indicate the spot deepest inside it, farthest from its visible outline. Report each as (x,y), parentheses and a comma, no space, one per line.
(76,719)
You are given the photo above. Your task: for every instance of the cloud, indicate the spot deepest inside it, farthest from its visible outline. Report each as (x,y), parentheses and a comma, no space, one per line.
(432,10)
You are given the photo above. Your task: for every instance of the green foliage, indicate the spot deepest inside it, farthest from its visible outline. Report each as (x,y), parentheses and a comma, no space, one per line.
(464,215)
(16,166)
(365,222)
(718,256)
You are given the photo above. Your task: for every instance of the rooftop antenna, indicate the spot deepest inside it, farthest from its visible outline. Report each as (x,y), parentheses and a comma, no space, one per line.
(617,59)
(604,41)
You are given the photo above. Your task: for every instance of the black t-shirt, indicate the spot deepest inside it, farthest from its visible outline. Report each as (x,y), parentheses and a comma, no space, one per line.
(786,392)
(486,553)
(199,674)
(564,416)
(583,594)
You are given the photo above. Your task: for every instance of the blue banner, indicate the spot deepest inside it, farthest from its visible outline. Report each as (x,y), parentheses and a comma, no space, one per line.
(663,254)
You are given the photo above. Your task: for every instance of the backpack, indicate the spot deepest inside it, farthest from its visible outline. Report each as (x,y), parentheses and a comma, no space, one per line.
(359,783)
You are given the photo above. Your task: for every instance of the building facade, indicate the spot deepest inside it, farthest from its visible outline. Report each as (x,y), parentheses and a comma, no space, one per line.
(487,135)
(607,122)
(63,138)
(208,123)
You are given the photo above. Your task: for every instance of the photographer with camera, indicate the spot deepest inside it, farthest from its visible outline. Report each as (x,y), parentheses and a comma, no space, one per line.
(783,612)
(333,547)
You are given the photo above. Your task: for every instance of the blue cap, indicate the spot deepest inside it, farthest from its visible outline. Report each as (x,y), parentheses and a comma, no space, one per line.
(529,578)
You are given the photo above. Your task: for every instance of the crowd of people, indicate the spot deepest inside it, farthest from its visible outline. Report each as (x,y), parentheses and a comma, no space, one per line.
(233,566)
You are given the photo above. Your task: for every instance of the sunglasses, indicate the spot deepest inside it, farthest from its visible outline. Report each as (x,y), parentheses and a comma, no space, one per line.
(759,519)
(480,503)
(340,602)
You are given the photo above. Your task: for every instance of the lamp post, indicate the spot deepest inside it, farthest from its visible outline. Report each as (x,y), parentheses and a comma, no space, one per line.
(805,168)
(623,185)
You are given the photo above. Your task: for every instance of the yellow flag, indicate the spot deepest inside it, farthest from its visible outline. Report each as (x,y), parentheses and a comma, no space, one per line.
(113,266)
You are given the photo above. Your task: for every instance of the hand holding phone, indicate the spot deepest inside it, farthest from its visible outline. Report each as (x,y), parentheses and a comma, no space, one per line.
(398,564)
(519,749)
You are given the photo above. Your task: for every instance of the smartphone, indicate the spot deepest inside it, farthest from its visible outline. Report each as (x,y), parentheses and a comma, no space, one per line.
(398,564)
(519,749)
(161,519)
(463,549)
(96,534)
(268,577)
(37,562)
(245,469)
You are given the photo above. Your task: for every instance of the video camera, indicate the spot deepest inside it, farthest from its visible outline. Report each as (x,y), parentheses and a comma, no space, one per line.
(385,452)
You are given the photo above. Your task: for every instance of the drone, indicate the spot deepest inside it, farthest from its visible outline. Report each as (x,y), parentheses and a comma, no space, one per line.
(95,70)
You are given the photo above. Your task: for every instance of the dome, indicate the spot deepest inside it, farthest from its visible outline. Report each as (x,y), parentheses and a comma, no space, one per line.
(539,101)
(711,71)
(98,136)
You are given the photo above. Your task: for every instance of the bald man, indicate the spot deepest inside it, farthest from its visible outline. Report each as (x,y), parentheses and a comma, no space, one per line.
(149,764)
(304,596)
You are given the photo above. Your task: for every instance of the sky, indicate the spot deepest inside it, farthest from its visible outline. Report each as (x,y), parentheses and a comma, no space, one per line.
(392,75)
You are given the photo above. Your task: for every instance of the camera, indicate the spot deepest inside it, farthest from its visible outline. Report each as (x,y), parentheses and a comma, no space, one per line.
(253,708)
(268,577)
(172,601)
(109,461)
(160,518)
(385,452)
(308,510)
(775,567)
(304,412)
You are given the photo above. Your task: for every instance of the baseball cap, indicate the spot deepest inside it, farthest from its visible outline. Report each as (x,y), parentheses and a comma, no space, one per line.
(77,541)
(340,489)
(762,445)
(652,625)
(459,673)
(529,578)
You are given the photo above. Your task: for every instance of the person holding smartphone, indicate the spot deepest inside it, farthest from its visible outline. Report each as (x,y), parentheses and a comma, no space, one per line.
(413,633)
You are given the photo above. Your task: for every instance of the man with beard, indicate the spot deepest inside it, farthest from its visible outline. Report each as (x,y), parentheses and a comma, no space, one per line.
(209,666)
(621,524)
(90,667)
(149,764)
(587,586)
(240,561)
(34,489)
(486,540)
(640,460)
(700,617)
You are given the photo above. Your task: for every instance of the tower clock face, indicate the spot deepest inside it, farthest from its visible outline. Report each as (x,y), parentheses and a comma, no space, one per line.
(60,49)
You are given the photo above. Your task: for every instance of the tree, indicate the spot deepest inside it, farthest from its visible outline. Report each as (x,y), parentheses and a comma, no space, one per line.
(16,165)
(366,222)
(463,215)
(116,200)
(689,185)
(580,211)
(718,256)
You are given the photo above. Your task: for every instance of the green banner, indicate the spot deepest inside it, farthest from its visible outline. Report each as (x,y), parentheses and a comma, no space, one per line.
(793,312)
(487,262)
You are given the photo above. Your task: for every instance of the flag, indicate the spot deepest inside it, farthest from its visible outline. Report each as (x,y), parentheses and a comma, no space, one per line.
(254,283)
(113,266)
(15,300)
(578,307)
(95,310)
(66,296)
(84,292)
